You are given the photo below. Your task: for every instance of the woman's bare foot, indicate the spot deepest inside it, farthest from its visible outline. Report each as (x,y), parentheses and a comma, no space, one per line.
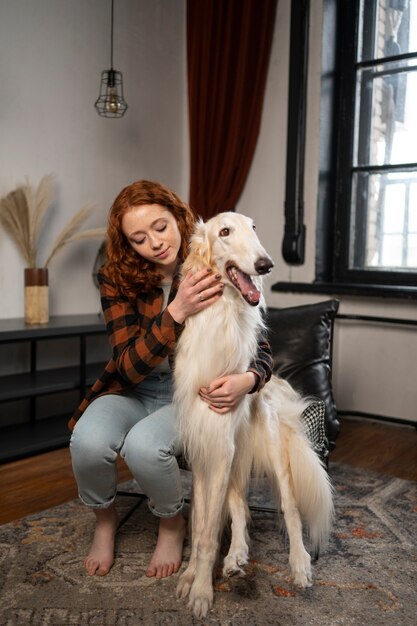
(166,559)
(101,556)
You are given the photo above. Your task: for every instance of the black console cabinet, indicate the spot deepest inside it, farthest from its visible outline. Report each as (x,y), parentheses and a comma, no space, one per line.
(40,435)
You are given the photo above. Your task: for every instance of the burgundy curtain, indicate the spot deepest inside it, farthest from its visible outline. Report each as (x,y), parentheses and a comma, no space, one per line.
(228,49)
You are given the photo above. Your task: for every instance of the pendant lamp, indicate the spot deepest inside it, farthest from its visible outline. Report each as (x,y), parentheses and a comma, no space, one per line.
(111,102)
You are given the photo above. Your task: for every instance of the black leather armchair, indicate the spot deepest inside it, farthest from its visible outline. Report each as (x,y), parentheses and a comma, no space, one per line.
(301,342)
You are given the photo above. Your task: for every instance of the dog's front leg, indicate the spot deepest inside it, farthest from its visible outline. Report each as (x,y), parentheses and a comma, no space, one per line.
(239,549)
(216,482)
(237,502)
(198,514)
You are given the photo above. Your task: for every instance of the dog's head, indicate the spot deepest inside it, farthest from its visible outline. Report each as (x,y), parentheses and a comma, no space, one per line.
(229,244)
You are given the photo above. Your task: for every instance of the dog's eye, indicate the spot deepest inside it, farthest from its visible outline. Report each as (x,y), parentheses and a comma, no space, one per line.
(253,226)
(225,232)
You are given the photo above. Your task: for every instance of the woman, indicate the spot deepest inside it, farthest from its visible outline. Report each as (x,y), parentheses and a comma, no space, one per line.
(128,411)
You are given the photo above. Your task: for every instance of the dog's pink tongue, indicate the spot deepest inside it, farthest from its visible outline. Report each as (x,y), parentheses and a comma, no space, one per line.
(247,288)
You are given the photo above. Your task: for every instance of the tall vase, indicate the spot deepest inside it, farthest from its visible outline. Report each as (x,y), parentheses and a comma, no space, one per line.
(36,295)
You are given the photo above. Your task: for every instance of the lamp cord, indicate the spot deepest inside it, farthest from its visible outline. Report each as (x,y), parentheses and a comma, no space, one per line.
(111,36)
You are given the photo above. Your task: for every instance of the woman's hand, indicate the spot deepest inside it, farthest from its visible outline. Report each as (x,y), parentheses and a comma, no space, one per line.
(224,393)
(195,293)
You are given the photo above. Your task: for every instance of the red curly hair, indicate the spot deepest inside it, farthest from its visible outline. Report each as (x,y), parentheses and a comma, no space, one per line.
(127,269)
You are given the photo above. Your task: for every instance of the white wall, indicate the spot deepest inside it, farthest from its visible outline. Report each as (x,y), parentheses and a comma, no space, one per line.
(374,366)
(52,53)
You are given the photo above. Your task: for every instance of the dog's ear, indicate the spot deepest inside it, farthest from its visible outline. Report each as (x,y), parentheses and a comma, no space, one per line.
(199,255)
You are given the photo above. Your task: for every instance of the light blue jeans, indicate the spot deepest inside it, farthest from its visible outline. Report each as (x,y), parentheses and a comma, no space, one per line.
(140,427)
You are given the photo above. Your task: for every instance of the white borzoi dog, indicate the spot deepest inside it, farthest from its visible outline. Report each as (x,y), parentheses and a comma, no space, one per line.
(264,434)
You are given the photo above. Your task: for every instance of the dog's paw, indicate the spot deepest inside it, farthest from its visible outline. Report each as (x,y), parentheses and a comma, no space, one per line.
(200,602)
(233,564)
(184,584)
(301,569)
(303,579)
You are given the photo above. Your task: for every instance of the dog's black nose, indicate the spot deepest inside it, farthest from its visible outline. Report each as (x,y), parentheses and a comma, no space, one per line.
(264,265)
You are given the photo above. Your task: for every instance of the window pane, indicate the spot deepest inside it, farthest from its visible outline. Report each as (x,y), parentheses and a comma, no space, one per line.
(388,28)
(412,218)
(383,226)
(412,251)
(386,124)
(393,213)
(391,251)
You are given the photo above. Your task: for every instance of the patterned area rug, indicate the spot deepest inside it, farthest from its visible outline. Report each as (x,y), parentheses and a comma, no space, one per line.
(366,577)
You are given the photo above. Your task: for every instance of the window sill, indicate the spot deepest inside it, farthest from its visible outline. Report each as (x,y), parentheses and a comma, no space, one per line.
(349,289)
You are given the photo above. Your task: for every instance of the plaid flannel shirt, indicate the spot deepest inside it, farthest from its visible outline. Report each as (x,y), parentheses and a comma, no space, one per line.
(141,337)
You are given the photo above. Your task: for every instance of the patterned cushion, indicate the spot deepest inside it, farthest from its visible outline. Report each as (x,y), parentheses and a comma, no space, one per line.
(315,429)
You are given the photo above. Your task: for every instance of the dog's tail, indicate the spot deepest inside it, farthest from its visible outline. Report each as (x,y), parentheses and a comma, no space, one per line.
(299,465)
(312,489)
(290,459)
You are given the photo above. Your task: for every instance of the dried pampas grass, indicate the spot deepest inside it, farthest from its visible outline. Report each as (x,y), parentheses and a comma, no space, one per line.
(22,214)
(14,216)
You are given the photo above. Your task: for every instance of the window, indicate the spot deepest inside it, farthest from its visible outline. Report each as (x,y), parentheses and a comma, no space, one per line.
(375,132)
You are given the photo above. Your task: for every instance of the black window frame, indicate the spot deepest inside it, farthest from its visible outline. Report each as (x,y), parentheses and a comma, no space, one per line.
(338,93)
(348,33)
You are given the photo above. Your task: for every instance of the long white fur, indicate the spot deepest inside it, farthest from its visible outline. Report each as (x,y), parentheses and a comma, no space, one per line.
(264,435)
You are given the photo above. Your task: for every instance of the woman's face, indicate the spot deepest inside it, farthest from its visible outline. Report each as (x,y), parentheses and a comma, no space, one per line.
(153,232)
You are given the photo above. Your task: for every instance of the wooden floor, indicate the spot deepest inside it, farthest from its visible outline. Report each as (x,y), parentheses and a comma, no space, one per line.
(40,482)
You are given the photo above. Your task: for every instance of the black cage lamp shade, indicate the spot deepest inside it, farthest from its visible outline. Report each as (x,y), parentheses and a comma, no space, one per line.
(111,102)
